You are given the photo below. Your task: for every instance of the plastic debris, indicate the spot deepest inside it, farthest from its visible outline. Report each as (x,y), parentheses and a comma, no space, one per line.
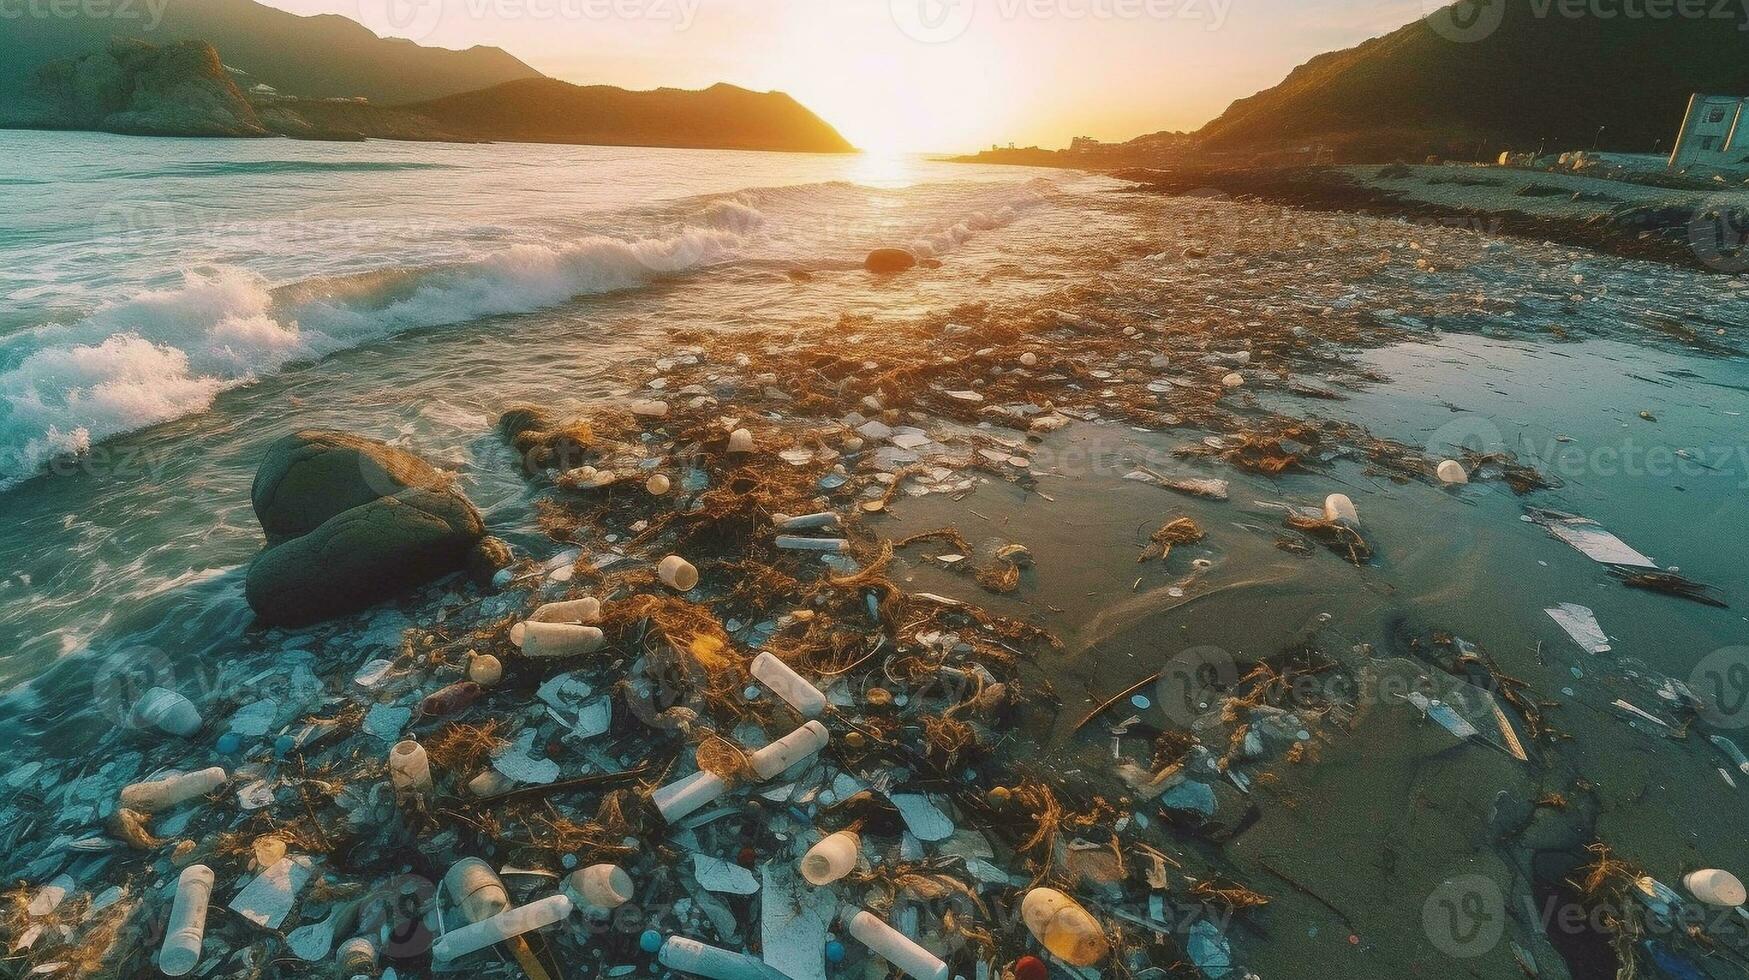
(1580,624)
(269,897)
(186,932)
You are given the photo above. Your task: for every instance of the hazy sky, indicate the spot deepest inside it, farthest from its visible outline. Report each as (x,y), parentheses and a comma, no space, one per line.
(934,75)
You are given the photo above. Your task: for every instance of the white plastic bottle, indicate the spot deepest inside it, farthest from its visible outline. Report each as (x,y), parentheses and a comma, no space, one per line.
(788,685)
(1718,888)
(476,889)
(549,640)
(505,925)
(187,928)
(893,946)
(831,859)
(409,767)
(691,956)
(162,794)
(167,711)
(789,750)
(601,887)
(1062,926)
(584,612)
(681,797)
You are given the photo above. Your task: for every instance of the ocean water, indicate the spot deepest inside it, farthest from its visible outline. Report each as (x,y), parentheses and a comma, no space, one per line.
(169,307)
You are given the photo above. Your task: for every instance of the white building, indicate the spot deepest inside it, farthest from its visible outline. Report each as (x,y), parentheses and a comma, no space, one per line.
(1715,132)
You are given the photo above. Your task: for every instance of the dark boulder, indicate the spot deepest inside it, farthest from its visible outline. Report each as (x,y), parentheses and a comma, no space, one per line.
(350,522)
(363,555)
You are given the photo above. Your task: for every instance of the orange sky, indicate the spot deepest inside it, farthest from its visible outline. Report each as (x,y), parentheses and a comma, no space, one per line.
(919,75)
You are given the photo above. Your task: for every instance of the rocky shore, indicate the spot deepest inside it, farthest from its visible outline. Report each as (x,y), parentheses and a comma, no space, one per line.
(775,684)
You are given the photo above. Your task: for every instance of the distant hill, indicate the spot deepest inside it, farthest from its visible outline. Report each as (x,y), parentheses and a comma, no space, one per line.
(546,110)
(1514,78)
(133,87)
(316,57)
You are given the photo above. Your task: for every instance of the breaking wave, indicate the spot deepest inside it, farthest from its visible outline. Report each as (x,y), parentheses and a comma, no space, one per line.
(166,353)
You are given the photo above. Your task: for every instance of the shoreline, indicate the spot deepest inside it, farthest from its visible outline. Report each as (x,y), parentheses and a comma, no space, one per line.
(1081,428)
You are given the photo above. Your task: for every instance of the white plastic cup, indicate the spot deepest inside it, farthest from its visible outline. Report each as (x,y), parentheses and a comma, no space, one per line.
(476,889)
(584,612)
(893,946)
(788,685)
(1338,508)
(409,767)
(683,796)
(691,956)
(831,859)
(162,794)
(1062,926)
(740,441)
(601,886)
(505,925)
(1715,887)
(187,929)
(677,573)
(167,711)
(1452,472)
(553,640)
(800,744)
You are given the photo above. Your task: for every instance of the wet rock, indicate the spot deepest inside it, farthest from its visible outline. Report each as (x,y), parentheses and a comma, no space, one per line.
(487,556)
(313,475)
(363,555)
(889,260)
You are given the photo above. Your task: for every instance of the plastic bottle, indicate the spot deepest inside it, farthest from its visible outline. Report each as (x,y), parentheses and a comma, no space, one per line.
(167,711)
(1338,508)
(677,573)
(692,956)
(789,750)
(505,925)
(601,886)
(831,859)
(791,542)
(357,957)
(409,767)
(1452,472)
(1069,931)
(893,946)
(806,522)
(584,611)
(681,797)
(1715,887)
(187,928)
(550,640)
(476,889)
(162,794)
(788,685)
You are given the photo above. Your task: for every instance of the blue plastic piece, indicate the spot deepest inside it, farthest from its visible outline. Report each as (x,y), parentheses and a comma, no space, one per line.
(834,951)
(650,941)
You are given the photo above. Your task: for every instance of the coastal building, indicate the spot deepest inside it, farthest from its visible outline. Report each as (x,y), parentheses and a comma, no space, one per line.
(1715,132)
